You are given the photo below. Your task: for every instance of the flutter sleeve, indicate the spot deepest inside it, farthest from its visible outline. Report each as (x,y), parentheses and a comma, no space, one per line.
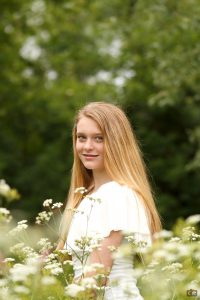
(120,209)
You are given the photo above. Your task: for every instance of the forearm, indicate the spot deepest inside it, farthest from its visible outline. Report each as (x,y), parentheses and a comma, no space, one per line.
(103,257)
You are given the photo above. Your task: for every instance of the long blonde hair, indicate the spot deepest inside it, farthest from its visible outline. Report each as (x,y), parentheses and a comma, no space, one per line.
(122,159)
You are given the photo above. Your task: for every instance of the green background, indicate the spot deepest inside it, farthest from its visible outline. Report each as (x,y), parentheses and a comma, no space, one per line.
(58,55)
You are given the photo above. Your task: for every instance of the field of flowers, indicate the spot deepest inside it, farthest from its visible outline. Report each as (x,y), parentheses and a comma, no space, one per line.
(31,268)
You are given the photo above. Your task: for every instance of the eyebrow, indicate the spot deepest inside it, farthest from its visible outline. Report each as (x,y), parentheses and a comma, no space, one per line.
(97,133)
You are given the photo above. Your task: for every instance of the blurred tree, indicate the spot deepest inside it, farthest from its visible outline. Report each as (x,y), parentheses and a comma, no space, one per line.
(57,55)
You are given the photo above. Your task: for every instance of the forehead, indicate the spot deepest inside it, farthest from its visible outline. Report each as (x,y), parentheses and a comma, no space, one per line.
(87,125)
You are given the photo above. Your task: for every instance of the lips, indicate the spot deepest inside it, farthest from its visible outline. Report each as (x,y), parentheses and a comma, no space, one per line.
(90,155)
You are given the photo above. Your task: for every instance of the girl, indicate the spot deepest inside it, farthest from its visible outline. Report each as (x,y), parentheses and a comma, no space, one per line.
(109,165)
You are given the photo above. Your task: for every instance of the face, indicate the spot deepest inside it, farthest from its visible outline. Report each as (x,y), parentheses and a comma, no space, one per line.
(90,144)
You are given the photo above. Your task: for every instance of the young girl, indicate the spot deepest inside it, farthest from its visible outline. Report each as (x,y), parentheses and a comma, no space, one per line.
(118,199)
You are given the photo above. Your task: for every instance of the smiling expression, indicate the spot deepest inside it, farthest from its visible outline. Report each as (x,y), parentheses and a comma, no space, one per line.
(90,144)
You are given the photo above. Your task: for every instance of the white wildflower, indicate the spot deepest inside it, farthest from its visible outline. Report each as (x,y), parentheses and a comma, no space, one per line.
(196,256)
(17,247)
(80,190)
(30,49)
(94,199)
(88,243)
(174,239)
(194,219)
(22,222)
(57,205)
(47,202)
(44,245)
(51,75)
(20,272)
(3,282)
(153,264)
(188,233)
(88,282)
(4,188)
(63,251)
(88,269)
(170,246)
(112,248)
(7,192)
(123,251)
(54,268)
(69,262)
(160,254)
(21,250)
(73,290)
(48,280)
(27,73)
(8,259)
(4,211)
(183,250)
(163,234)
(75,211)
(38,6)
(43,217)
(195,236)
(173,268)
(21,289)
(137,273)
(5,215)
(5,293)
(193,285)
(52,257)
(21,226)
(33,261)
(97,266)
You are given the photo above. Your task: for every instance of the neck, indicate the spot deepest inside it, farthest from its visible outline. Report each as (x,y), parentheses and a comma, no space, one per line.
(100,178)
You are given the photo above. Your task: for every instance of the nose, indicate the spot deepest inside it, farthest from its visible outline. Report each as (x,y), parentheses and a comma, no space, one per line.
(88,145)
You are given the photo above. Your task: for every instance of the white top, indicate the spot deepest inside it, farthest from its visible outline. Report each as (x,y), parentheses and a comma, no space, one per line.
(111,207)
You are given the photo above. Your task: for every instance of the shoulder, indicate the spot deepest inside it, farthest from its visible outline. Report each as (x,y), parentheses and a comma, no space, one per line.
(120,209)
(114,187)
(114,192)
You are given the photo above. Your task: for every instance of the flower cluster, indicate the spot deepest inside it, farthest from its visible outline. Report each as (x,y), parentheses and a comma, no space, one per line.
(88,243)
(81,190)
(5,216)
(43,217)
(40,272)
(7,192)
(49,203)
(21,226)
(44,245)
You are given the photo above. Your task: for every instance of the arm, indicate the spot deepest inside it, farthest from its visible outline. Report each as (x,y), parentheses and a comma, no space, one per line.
(104,255)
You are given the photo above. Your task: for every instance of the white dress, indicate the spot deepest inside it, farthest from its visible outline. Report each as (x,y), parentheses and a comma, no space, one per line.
(119,208)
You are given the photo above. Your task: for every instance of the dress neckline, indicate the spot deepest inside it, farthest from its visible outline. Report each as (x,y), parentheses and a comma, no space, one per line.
(104,184)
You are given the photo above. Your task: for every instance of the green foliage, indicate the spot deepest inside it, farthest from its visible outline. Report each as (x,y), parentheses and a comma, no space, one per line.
(58,55)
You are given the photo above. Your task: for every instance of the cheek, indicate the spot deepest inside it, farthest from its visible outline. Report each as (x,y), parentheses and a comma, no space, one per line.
(101,149)
(78,147)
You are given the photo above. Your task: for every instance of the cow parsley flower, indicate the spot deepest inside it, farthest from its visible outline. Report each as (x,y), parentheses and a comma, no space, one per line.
(21,226)
(73,290)
(48,280)
(47,202)
(57,205)
(194,219)
(5,216)
(80,190)
(43,217)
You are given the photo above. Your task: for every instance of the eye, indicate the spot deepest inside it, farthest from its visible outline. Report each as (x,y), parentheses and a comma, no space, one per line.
(99,139)
(81,138)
